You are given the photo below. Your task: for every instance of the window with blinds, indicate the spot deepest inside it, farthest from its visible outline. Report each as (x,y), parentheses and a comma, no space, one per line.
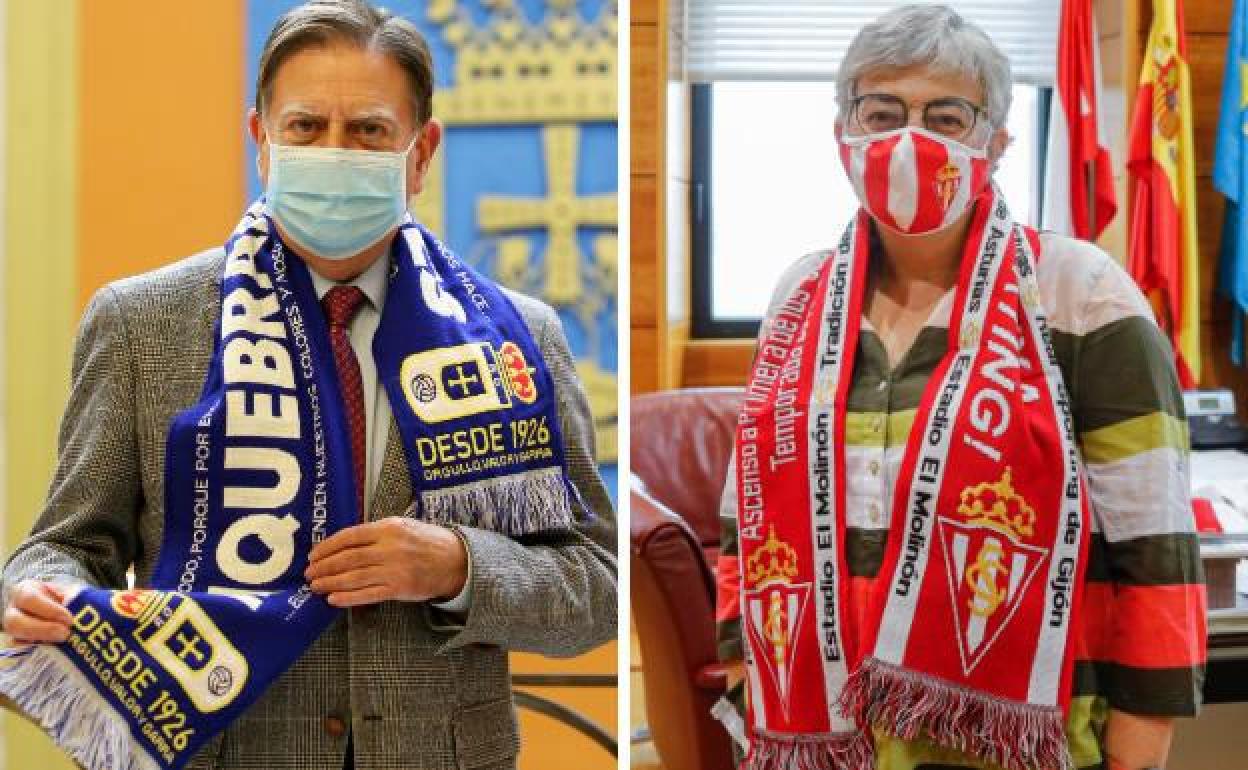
(806,39)
(766,179)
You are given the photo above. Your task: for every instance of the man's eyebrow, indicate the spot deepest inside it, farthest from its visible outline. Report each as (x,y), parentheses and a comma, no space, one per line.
(300,109)
(375,113)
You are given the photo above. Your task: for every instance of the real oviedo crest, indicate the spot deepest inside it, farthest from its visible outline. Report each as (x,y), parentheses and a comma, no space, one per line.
(464,380)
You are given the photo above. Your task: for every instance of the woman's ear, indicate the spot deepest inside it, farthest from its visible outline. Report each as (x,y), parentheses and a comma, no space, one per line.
(1000,140)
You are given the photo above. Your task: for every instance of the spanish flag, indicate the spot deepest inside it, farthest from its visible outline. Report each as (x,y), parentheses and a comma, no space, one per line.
(1163,256)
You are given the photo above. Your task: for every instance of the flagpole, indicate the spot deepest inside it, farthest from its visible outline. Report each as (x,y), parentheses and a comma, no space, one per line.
(1094,97)
(1089,171)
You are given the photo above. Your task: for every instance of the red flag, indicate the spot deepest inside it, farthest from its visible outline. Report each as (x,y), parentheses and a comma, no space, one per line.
(1164,257)
(1077,151)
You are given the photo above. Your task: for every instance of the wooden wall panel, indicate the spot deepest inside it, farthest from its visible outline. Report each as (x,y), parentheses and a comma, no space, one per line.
(717,362)
(643,358)
(1206,63)
(644,11)
(645,299)
(644,98)
(1207,17)
(659,252)
(647,267)
(1209,205)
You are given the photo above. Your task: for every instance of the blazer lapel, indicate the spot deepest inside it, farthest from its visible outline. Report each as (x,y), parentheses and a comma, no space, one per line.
(393,493)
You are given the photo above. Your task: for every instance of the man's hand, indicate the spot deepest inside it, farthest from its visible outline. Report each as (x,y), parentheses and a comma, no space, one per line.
(394,558)
(735,671)
(36,613)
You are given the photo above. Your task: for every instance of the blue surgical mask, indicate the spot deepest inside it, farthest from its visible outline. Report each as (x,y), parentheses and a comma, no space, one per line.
(335,202)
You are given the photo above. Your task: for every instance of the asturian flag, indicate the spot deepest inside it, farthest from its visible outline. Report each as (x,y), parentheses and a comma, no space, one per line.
(1163,255)
(1230,177)
(1077,156)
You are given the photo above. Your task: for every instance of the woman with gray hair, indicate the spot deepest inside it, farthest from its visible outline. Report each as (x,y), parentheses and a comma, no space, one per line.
(957,526)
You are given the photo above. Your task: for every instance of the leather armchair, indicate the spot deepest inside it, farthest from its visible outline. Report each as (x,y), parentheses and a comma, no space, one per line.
(681,447)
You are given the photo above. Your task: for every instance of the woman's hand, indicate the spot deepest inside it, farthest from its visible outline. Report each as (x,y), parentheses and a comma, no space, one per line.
(1133,741)
(36,613)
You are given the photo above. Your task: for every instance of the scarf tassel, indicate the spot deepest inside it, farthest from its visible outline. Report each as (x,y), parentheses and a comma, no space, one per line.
(785,751)
(46,688)
(910,705)
(519,504)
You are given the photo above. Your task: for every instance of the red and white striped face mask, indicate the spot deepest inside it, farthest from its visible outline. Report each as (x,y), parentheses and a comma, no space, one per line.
(912,180)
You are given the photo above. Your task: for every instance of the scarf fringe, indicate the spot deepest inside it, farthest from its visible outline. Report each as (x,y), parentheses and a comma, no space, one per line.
(829,751)
(517,504)
(49,690)
(1016,736)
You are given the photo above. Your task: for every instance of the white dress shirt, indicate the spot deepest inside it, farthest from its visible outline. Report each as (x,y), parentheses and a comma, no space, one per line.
(374,283)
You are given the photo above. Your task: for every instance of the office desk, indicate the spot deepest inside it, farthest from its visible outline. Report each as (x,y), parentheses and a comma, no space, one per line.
(1226,679)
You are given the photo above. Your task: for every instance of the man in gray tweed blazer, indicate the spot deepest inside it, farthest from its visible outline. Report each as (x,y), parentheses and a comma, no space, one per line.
(415,673)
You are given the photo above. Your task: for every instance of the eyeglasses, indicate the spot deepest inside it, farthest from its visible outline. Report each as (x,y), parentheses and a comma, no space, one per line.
(950,116)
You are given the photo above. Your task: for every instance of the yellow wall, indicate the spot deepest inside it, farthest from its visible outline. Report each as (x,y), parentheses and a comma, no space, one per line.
(551,745)
(124,152)
(38,302)
(162,134)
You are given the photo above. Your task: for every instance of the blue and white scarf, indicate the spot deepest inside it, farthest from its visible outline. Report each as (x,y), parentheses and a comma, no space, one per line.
(260,469)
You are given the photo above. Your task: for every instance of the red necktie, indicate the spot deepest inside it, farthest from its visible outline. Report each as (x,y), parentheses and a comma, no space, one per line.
(340,304)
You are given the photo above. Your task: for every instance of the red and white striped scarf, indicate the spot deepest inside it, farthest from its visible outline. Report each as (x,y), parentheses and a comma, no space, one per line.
(969,627)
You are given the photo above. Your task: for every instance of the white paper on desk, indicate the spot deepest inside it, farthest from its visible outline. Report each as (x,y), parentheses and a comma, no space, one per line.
(1221,476)
(1230,516)
(1220,465)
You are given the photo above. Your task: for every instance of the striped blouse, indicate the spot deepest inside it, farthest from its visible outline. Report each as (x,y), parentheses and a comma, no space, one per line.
(1140,643)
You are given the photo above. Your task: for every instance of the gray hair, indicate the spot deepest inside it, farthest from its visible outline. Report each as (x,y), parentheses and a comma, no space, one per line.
(320,22)
(934,36)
